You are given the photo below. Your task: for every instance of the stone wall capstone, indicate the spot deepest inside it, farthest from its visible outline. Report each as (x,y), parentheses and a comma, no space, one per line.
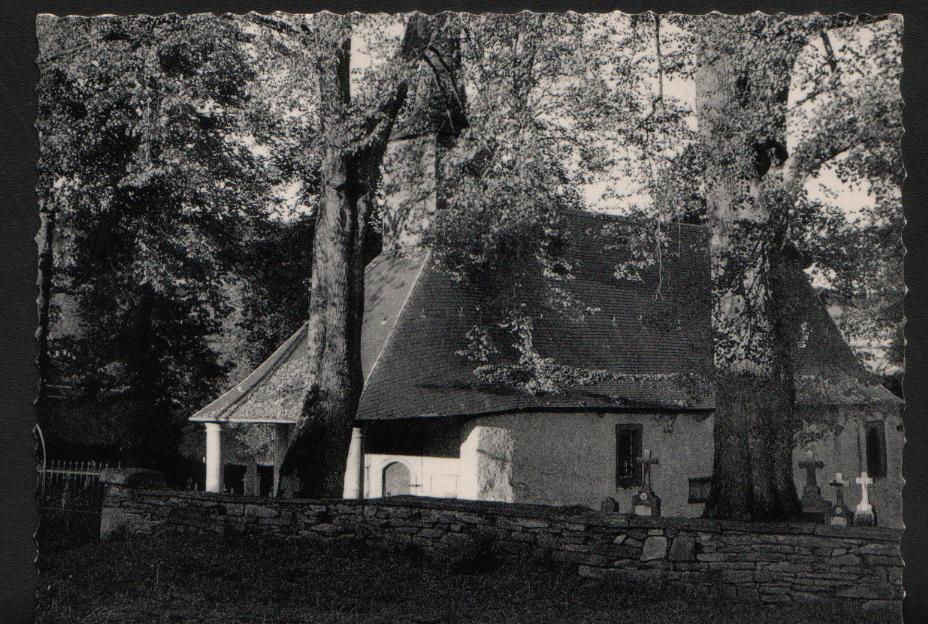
(767,562)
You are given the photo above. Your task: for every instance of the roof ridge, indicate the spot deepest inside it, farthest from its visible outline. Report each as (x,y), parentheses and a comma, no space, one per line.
(399,316)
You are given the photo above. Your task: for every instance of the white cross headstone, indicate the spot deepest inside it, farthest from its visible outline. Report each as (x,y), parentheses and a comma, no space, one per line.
(863,513)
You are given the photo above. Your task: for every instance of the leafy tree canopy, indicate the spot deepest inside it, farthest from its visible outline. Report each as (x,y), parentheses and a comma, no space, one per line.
(174,159)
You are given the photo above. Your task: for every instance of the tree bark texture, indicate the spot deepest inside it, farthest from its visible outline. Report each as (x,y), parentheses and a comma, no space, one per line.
(352,154)
(319,442)
(741,110)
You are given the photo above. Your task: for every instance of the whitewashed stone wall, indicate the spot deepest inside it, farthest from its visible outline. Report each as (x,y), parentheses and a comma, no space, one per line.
(486,464)
(430,476)
(569,458)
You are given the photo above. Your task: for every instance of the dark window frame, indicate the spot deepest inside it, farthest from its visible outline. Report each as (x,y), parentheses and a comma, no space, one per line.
(876,458)
(265,479)
(702,482)
(622,478)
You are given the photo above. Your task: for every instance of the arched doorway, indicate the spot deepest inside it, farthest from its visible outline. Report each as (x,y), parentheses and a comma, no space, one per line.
(396,479)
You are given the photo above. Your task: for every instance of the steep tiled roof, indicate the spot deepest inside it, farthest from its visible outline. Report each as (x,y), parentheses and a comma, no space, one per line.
(827,370)
(650,329)
(273,392)
(649,332)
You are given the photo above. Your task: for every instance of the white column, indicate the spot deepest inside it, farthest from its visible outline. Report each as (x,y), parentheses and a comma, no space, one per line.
(213,457)
(354,468)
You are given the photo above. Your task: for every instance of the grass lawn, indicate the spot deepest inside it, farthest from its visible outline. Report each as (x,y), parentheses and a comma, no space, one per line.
(245,579)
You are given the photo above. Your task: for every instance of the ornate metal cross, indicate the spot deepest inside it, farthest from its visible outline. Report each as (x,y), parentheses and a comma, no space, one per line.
(646,462)
(839,484)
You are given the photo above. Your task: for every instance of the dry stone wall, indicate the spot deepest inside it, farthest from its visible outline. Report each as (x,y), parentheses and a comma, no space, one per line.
(755,561)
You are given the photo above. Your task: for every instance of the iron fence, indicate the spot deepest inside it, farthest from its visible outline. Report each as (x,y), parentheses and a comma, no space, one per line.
(69,495)
(75,483)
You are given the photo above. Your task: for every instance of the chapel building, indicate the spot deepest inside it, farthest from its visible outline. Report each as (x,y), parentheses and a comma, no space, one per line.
(427,425)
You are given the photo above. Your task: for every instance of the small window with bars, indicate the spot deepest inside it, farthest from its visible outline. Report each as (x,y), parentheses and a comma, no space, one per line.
(699,489)
(627,453)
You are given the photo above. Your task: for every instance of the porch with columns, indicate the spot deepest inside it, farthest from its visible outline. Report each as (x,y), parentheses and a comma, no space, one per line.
(354,468)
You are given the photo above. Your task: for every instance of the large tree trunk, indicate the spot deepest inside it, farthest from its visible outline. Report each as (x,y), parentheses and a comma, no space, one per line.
(352,154)
(741,108)
(319,443)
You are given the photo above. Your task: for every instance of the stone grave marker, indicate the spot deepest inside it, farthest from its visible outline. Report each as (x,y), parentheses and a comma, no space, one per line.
(814,505)
(646,502)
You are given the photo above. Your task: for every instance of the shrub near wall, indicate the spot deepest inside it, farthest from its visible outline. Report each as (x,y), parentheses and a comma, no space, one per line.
(755,561)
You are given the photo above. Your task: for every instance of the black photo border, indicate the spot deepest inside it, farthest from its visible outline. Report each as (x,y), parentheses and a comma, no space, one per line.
(19,223)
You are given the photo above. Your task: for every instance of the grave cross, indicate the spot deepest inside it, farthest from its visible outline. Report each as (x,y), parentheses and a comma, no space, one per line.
(646,502)
(863,514)
(810,464)
(863,481)
(646,462)
(814,506)
(839,484)
(839,514)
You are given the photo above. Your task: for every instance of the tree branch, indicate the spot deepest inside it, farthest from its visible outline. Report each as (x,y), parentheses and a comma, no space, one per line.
(660,61)
(459,110)
(376,133)
(835,134)
(829,51)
